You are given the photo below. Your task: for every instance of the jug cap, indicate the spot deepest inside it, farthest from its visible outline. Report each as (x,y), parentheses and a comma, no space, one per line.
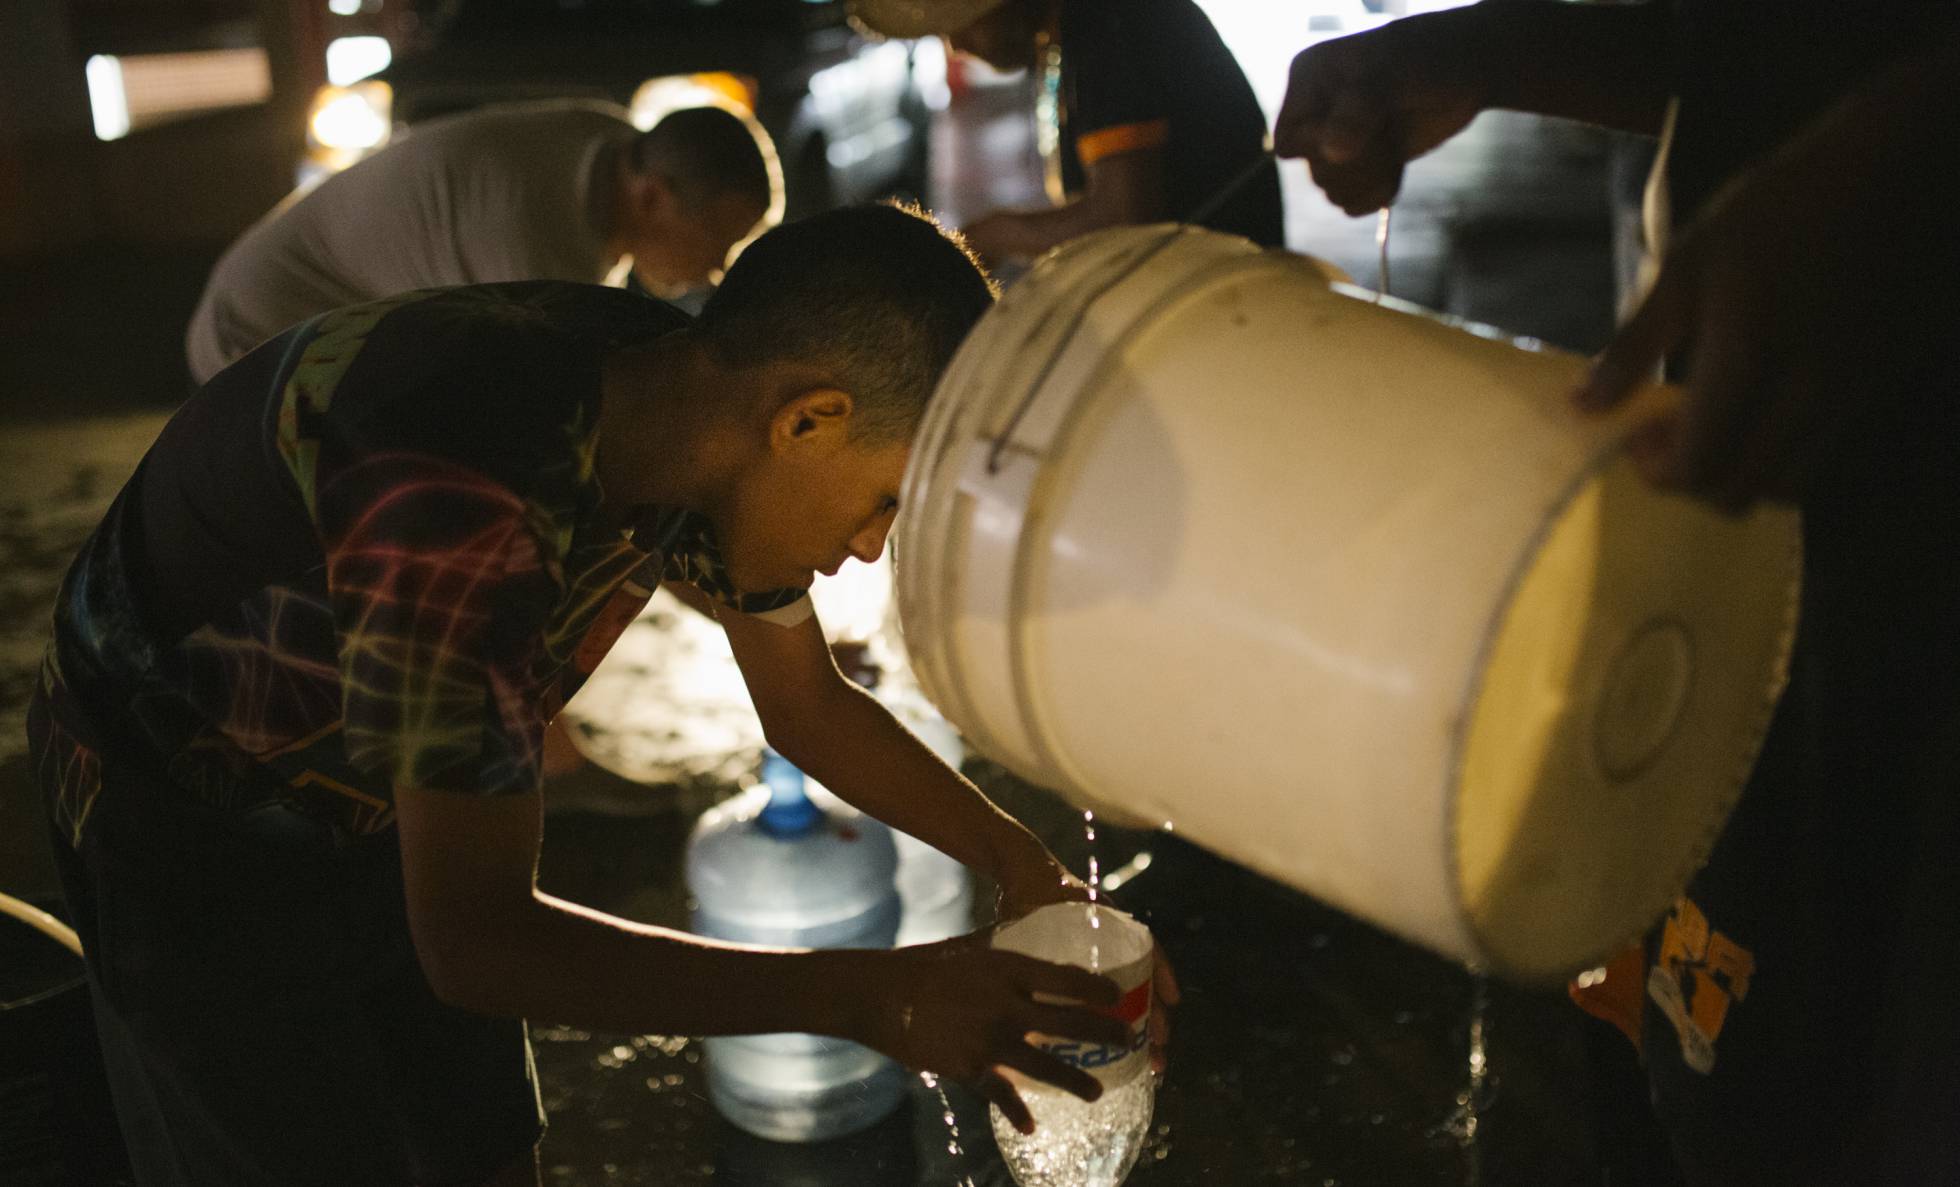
(789,812)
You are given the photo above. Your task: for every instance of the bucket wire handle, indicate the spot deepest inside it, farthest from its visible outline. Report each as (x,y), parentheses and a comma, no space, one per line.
(42,922)
(1204,210)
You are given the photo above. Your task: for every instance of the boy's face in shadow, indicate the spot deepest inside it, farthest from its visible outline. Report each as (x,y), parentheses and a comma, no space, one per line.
(813,501)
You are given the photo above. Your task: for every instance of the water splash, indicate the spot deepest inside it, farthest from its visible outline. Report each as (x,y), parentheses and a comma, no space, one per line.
(953,1146)
(1076,1143)
(1115,879)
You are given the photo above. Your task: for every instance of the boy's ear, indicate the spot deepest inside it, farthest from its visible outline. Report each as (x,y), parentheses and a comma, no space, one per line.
(818,414)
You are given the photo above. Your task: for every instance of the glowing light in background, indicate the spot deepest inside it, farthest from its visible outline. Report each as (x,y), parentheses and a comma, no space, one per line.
(351,59)
(351,118)
(929,71)
(135,91)
(658,97)
(106,98)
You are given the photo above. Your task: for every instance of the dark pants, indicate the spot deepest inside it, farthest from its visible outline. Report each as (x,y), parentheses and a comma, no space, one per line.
(1833,890)
(262,1014)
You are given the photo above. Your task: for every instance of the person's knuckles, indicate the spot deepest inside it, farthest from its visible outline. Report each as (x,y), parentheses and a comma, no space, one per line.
(1346,186)
(1097,990)
(1060,1075)
(1085,1025)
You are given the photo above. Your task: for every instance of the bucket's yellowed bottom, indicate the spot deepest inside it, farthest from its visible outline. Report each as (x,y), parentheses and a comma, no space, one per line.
(1622,701)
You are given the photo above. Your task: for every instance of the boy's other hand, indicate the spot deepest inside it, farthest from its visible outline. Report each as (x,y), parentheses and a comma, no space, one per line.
(1164,994)
(1035,881)
(965,1011)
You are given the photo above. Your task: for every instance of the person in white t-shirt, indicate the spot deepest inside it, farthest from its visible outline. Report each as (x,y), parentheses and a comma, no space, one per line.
(535,191)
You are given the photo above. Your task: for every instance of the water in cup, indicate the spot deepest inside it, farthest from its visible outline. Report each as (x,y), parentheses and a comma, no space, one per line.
(1078,1143)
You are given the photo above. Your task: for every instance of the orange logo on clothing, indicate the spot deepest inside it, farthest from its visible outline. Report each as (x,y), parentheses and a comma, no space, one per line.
(1698,973)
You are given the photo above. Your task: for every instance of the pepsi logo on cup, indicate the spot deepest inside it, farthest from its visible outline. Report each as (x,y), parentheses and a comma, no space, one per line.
(1134,1008)
(1105,941)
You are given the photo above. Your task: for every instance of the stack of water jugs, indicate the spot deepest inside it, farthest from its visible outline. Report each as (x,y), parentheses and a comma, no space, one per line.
(787,863)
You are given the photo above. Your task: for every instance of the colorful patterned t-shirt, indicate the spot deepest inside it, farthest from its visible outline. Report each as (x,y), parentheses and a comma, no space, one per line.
(370,553)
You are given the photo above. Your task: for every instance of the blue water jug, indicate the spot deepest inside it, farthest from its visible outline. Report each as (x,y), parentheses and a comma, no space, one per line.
(788,864)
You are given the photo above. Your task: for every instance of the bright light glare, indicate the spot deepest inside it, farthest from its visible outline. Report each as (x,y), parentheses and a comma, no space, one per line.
(857,602)
(657,98)
(350,120)
(929,68)
(344,7)
(350,59)
(106,99)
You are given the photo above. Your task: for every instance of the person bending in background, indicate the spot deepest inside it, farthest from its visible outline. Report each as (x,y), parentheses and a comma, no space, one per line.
(1794,1010)
(1153,113)
(288,732)
(534,191)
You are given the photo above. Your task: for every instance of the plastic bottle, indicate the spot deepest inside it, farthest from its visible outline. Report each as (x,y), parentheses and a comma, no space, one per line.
(790,865)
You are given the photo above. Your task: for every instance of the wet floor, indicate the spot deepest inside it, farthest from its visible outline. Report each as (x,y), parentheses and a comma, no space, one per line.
(1311,1049)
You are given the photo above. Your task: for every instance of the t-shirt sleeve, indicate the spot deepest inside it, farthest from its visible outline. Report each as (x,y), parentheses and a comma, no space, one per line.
(694,556)
(441,588)
(1116,105)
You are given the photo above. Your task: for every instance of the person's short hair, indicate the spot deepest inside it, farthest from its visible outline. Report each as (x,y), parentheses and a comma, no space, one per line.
(879,296)
(705,152)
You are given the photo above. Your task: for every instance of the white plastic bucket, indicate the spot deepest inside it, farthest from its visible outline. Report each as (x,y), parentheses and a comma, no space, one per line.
(1345,592)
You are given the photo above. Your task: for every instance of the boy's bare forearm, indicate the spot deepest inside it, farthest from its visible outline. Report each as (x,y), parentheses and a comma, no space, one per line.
(874,763)
(560,962)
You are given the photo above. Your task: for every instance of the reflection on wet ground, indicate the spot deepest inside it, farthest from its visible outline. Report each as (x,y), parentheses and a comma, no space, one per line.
(56,479)
(1310,1049)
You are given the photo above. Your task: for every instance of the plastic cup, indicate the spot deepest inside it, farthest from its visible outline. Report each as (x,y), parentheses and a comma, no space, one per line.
(1079,1143)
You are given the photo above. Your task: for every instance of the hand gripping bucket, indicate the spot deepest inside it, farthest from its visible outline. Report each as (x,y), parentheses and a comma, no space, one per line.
(1343,590)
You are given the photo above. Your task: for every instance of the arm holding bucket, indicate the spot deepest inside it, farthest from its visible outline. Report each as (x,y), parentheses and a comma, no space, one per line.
(1360,108)
(1800,317)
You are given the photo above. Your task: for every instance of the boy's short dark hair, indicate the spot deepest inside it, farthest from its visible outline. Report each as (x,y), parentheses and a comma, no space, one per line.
(704,152)
(879,295)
